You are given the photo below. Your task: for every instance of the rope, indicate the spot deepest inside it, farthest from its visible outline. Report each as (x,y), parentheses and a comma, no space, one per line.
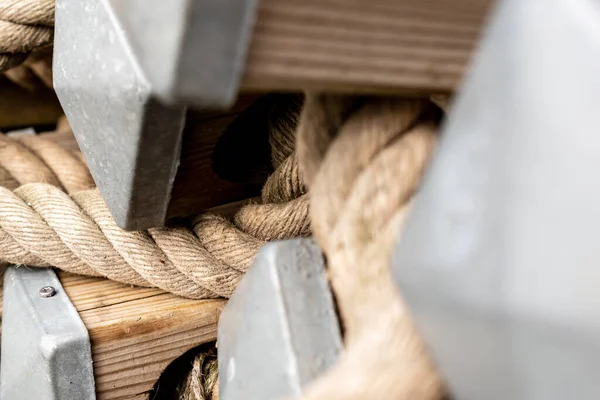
(40,225)
(28,159)
(350,150)
(202,382)
(25,26)
(35,72)
(362,160)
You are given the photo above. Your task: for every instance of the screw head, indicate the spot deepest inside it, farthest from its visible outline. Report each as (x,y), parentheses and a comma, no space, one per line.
(47,291)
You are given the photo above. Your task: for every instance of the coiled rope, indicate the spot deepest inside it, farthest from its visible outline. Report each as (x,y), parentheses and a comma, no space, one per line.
(25,26)
(362,160)
(41,225)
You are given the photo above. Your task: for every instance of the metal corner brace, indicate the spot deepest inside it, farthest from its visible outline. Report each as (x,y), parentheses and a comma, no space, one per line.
(279,330)
(46,352)
(124,71)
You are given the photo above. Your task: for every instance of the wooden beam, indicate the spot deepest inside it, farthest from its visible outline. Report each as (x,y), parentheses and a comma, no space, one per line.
(137,332)
(362,46)
(23,108)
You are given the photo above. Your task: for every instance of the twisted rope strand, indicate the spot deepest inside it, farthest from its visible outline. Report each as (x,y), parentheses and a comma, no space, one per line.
(361,186)
(18,38)
(349,151)
(28,12)
(40,225)
(25,26)
(32,158)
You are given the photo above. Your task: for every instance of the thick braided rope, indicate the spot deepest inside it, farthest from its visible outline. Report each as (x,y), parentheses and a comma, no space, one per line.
(202,382)
(362,161)
(40,225)
(31,158)
(25,25)
(35,72)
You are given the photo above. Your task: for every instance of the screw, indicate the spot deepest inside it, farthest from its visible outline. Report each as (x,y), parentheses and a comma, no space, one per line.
(47,291)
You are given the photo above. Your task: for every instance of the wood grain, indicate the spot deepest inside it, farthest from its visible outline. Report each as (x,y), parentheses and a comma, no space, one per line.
(197,186)
(225,157)
(137,332)
(362,46)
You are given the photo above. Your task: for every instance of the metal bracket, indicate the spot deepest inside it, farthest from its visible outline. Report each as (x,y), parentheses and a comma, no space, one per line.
(117,61)
(131,141)
(193,51)
(46,351)
(499,259)
(279,330)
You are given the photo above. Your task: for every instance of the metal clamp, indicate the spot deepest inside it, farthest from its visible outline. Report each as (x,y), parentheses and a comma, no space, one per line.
(192,51)
(499,260)
(46,352)
(131,141)
(115,64)
(279,330)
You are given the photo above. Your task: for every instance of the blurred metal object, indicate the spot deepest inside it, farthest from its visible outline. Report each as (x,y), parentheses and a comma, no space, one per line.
(131,141)
(279,330)
(46,352)
(499,260)
(114,59)
(192,51)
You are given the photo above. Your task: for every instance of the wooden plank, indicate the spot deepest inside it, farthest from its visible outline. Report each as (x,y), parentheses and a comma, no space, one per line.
(23,108)
(198,186)
(88,294)
(224,157)
(362,46)
(137,332)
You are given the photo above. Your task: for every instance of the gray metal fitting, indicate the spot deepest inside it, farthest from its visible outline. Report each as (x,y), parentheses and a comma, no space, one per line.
(46,352)
(279,330)
(192,51)
(131,141)
(47,291)
(499,259)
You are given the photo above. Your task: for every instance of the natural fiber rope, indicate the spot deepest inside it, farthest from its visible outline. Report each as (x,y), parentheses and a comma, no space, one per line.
(25,26)
(35,72)
(362,170)
(350,152)
(363,159)
(202,382)
(40,225)
(29,159)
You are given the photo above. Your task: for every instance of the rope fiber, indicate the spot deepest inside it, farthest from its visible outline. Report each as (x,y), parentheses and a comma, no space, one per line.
(59,223)
(362,168)
(362,159)
(25,26)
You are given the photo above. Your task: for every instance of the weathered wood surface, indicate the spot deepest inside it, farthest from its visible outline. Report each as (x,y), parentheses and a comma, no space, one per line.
(378,46)
(137,332)
(362,46)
